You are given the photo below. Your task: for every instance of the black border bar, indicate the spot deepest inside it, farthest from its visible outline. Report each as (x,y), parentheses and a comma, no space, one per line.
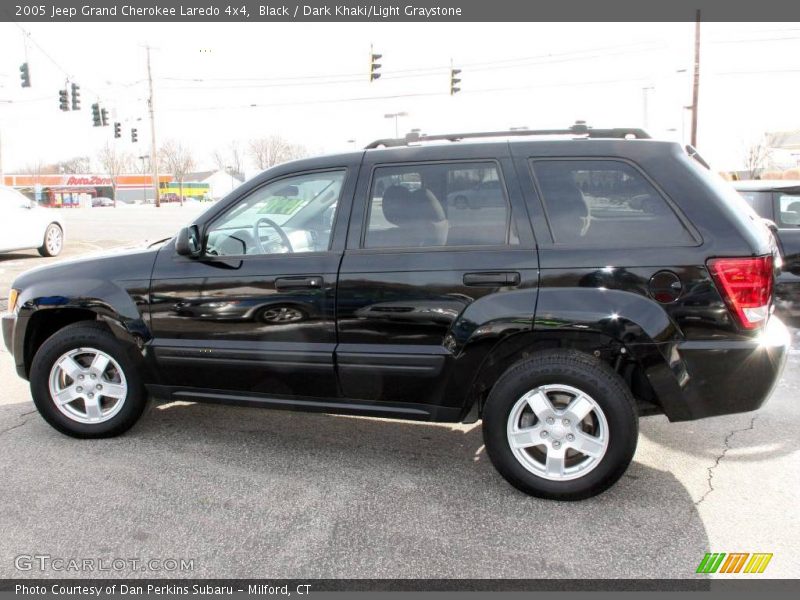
(240,586)
(397,10)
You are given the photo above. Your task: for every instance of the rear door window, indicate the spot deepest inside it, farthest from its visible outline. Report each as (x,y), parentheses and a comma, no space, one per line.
(437,204)
(606,203)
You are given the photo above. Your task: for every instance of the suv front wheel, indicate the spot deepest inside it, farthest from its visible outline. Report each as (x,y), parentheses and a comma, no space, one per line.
(84,384)
(560,425)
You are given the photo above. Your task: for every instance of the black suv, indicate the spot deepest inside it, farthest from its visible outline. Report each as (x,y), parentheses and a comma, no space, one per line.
(779,203)
(555,287)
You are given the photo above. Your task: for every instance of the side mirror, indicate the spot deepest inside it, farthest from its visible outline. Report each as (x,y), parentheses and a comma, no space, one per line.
(187,243)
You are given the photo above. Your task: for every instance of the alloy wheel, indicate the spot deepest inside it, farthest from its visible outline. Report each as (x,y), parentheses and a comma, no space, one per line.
(87,385)
(557,432)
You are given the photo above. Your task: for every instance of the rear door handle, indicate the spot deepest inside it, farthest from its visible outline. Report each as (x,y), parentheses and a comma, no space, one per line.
(492,279)
(298,283)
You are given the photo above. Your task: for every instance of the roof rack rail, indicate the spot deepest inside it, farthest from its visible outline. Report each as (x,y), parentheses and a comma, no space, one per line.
(579,128)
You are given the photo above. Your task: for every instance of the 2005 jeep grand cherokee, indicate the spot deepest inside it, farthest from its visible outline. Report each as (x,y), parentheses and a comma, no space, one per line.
(557,287)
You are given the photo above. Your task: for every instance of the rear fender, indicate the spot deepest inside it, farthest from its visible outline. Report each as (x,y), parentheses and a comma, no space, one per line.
(608,322)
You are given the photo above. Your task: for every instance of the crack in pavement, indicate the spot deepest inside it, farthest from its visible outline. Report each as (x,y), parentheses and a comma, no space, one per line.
(13,427)
(725,447)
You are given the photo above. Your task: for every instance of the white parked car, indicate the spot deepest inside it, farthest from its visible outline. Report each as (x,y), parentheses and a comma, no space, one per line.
(24,224)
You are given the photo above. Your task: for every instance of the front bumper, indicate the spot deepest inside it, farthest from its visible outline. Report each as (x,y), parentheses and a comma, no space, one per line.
(9,321)
(721,377)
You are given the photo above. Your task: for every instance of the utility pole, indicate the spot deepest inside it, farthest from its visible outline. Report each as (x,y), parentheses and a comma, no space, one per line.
(153,153)
(696,82)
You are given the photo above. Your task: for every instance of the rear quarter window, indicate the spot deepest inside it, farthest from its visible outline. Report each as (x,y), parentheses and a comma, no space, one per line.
(606,203)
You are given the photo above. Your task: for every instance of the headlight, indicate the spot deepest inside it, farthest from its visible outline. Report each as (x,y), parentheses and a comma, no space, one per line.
(12,299)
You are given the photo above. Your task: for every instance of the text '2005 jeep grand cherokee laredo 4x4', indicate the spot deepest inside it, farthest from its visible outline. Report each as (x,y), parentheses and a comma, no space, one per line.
(555,288)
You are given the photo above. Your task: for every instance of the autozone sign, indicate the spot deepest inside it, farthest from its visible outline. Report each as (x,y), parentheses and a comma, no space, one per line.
(92,180)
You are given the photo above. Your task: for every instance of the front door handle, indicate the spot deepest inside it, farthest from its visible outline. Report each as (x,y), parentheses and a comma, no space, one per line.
(492,279)
(298,283)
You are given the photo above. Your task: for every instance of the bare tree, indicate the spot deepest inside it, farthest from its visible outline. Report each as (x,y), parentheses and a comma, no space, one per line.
(34,168)
(113,162)
(176,159)
(74,165)
(272,150)
(756,157)
(229,159)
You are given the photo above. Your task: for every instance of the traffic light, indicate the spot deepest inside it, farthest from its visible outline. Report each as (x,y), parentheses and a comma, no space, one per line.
(76,96)
(374,66)
(97,119)
(117,130)
(25,75)
(454,81)
(104,117)
(134,135)
(63,101)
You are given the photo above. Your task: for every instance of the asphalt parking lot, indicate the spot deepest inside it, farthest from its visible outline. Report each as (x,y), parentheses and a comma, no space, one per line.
(247,492)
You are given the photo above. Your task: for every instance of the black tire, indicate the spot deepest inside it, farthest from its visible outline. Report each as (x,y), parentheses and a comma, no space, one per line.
(81,335)
(587,374)
(43,249)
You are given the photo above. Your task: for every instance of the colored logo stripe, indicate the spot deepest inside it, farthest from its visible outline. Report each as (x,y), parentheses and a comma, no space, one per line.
(734,562)
(710,562)
(758,563)
(713,562)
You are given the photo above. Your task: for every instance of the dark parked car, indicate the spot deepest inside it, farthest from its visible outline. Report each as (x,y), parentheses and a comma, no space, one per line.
(594,279)
(779,202)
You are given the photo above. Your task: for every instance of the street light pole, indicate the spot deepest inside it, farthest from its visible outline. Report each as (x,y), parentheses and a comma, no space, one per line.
(395,116)
(142,158)
(645,107)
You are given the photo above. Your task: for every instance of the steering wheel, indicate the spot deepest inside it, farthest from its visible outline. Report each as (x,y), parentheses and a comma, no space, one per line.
(265,221)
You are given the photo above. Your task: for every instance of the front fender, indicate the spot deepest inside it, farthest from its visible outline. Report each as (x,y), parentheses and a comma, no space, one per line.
(46,306)
(107,299)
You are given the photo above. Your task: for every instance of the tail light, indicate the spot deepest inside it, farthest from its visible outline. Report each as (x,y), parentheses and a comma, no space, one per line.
(746,286)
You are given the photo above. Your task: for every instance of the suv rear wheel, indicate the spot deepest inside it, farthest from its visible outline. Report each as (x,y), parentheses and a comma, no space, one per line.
(560,425)
(84,384)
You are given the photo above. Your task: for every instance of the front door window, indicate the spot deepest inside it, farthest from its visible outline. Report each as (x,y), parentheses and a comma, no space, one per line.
(291,215)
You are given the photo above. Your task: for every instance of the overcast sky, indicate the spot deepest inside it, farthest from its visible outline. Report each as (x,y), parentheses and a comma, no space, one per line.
(309,82)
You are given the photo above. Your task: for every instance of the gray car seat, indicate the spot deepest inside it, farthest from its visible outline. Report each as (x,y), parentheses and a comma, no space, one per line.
(417,217)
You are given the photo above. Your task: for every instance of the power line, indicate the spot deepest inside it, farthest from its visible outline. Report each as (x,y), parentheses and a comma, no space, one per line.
(397,96)
(506,63)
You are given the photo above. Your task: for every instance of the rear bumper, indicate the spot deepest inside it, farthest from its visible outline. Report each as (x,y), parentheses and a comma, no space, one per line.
(721,377)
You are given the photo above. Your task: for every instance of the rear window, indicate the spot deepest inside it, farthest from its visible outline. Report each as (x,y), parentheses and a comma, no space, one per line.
(789,209)
(606,203)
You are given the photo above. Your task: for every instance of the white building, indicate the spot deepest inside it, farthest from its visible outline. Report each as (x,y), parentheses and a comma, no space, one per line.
(221,183)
